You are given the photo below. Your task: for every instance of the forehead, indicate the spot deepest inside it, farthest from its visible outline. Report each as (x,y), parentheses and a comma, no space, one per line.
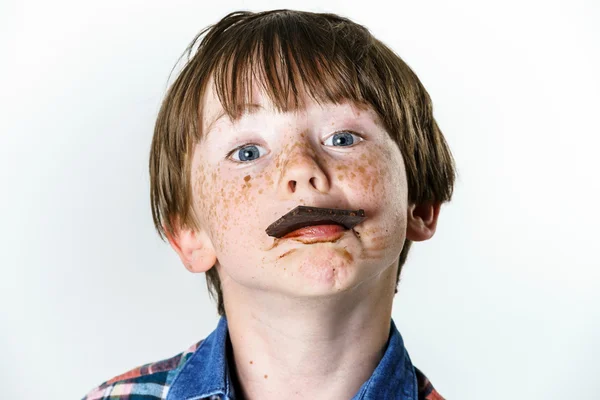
(213,112)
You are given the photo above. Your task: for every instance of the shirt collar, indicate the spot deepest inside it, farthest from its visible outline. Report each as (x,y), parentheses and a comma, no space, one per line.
(206,372)
(394,377)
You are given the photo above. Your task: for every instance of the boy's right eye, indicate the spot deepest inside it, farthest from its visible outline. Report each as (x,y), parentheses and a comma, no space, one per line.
(247,152)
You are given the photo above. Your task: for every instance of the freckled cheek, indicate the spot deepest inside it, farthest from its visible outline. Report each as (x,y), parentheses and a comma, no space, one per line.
(370,180)
(380,194)
(235,208)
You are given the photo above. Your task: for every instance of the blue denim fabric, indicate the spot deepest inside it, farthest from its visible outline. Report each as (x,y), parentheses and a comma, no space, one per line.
(206,374)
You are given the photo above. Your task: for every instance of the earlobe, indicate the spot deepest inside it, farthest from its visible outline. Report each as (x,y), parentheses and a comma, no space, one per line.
(202,259)
(194,249)
(422,221)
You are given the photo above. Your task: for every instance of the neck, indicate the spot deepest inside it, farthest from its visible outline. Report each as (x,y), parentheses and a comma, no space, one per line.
(318,348)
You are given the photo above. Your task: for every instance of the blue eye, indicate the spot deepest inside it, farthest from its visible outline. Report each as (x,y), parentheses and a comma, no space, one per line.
(247,153)
(251,152)
(343,139)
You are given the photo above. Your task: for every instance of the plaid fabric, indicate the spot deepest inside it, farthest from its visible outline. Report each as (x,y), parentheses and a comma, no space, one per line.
(152,381)
(147,382)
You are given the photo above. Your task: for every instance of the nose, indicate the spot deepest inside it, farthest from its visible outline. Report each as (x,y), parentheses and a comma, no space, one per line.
(302,174)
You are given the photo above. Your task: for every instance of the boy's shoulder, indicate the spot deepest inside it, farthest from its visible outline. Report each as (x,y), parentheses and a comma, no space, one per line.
(150,381)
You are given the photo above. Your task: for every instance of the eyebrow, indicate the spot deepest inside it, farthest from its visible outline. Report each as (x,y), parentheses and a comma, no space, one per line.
(247,109)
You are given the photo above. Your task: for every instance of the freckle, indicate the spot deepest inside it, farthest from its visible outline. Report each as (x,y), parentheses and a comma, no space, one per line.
(341,177)
(266,376)
(252,362)
(363,156)
(361,169)
(247,178)
(260,191)
(353,175)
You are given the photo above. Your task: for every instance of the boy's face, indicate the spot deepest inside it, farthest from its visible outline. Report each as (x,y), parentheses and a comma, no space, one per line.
(292,159)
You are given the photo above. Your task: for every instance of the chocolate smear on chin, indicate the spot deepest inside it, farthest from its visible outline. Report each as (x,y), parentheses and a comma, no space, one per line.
(302,216)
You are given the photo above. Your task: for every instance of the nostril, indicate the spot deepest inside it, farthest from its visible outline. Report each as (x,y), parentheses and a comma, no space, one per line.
(292,185)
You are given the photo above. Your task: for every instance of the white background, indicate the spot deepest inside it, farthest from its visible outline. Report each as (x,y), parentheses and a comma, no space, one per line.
(502,303)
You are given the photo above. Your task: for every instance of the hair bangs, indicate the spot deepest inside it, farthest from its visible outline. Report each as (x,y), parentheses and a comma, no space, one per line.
(287,62)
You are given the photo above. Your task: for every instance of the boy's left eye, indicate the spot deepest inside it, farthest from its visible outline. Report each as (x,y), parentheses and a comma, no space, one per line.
(343,139)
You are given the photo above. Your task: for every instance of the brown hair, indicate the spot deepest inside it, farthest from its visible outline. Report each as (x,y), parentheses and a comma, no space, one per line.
(339,60)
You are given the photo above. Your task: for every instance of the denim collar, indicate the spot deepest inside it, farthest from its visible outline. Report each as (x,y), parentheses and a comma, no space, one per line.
(206,373)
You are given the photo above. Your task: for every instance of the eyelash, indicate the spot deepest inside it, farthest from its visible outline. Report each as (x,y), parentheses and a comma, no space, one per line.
(232,152)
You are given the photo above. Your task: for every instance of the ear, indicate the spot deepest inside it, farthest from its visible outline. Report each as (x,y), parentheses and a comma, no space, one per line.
(422,221)
(194,248)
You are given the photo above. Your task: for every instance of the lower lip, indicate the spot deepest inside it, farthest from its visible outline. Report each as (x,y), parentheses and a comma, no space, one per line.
(321,233)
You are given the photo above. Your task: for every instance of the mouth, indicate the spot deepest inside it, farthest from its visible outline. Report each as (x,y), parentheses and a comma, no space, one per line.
(326,232)
(314,222)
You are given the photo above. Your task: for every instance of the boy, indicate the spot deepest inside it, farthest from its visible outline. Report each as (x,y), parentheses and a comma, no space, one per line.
(278,112)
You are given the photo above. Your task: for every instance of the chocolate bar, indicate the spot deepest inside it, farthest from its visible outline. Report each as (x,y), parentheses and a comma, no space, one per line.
(302,216)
